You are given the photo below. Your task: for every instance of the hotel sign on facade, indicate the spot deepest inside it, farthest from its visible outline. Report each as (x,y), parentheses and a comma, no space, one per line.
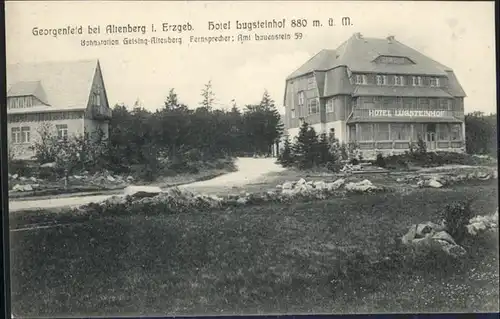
(406,113)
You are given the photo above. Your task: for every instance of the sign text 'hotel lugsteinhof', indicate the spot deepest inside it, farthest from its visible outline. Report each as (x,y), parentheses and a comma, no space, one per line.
(409,113)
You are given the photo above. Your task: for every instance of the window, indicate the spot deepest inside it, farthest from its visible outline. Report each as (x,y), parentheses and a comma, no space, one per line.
(443,104)
(424,103)
(399,101)
(443,132)
(368,102)
(329,106)
(450,104)
(301,98)
(365,132)
(434,82)
(25,134)
(360,79)
(292,113)
(62,131)
(433,103)
(400,132)
(16,135)
(393,60)
(311,83)
(382,131)
(313,106)
(20,134)
(352,133)
(418,131)
(456,132)
(379,80)
(417,81)
(384,79)
(398,80)
(409,103)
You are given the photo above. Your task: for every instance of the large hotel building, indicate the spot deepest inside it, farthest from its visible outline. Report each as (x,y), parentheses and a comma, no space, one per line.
(380,94)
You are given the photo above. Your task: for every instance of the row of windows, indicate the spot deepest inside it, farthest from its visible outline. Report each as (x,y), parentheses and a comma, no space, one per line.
(20,102)
(397,80)
(406,102)
(42,117)
(403,132)
(22,134)
(394,60)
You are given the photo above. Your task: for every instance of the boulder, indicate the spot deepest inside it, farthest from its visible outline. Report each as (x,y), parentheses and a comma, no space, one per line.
(33,179)
(50,165)
(287,185)
(23,179)
(15,176)
(336,185)
(115,200)
(111,179)
(434,183)
(320,185)
(301,182)
(429,236)
(363,186)
(279,186)
(242,201)
(130,178)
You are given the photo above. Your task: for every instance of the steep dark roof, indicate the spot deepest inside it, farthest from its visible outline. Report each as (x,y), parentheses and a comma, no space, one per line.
(65,85)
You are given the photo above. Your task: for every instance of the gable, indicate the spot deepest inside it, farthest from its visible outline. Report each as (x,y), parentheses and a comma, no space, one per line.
(97,88)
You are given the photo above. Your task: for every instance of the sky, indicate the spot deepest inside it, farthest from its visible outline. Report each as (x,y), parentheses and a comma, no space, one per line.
(460,35)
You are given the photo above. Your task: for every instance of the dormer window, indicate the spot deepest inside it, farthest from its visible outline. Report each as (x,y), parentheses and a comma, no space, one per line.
(398,80)
(20,102)
(434,82)
(360,79)
(381,79)
(393,60)
(417,81)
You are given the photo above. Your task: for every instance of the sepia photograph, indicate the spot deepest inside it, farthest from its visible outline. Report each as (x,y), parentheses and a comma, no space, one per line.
(181,158)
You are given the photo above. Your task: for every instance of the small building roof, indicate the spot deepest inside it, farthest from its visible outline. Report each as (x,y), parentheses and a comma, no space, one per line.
(60,85)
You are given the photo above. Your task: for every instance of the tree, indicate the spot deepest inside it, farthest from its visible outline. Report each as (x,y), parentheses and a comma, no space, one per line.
(262,125)
(481,133)
(208,96)
(305,148)
(323,152)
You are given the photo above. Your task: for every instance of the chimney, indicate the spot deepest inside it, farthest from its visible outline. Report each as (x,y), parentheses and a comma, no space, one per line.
(390,38)
(358,35)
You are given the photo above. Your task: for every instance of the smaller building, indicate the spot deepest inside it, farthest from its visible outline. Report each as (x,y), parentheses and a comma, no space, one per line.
(67,97)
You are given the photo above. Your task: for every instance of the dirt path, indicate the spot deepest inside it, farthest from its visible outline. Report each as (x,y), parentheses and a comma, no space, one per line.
(249,170)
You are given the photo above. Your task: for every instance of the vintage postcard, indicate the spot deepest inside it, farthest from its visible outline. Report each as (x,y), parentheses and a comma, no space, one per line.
(250,157)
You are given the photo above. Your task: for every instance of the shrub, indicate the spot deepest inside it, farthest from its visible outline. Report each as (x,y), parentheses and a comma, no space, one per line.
(456,217)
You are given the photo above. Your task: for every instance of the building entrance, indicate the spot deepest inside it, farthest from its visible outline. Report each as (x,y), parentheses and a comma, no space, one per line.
(430,135)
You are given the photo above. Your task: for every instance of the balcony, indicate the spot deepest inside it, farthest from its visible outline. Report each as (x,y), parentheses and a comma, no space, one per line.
(100,112)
